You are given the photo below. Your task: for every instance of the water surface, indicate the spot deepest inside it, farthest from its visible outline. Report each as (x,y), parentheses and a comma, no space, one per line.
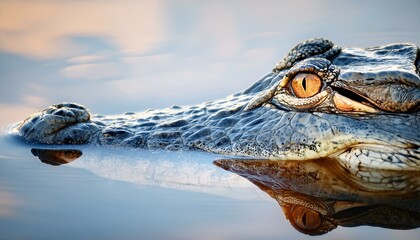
(137,194)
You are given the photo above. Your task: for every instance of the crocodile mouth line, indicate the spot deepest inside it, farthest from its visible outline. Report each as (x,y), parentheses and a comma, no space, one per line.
(356,97)
(384,156)
(402,156)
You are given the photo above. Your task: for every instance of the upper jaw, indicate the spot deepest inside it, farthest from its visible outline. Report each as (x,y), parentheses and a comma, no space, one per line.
(386,76)
(384,90)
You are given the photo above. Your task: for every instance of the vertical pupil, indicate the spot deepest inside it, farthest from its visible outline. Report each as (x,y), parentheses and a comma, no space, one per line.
(304,83)
(304,219)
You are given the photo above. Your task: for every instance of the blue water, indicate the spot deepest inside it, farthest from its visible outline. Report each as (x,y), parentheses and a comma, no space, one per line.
(137,194)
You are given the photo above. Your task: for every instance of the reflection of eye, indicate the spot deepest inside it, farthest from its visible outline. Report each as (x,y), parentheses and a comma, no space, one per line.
(306,218)
(306,85)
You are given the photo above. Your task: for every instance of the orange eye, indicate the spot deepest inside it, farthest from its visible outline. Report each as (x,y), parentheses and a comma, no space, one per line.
(306,85)
(305,218)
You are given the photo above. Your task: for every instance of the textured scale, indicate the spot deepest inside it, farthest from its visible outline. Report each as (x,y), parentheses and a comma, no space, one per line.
(266,121)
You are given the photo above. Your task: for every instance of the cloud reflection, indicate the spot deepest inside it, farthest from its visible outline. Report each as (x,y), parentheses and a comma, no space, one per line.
(8,203)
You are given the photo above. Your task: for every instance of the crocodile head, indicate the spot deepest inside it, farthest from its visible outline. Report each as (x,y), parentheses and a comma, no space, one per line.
(360,106)
(357,105)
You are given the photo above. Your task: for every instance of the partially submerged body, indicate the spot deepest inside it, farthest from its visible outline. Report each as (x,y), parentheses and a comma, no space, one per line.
(359,106)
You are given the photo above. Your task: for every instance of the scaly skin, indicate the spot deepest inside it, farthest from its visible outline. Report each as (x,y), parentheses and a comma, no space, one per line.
(366,112)
(319,195)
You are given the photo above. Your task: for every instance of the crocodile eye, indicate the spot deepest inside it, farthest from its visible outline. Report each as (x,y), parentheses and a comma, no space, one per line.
(305,218)
(306,85)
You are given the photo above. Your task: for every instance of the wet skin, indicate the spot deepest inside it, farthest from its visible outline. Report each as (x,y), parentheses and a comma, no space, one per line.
(359,106)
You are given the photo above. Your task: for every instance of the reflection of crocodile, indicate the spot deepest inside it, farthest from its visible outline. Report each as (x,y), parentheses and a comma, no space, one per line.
(193,171)
(56,157)
(360,106)
(318,195)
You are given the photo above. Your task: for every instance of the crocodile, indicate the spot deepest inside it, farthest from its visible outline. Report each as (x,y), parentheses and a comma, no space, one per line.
(359,106)
(318,195)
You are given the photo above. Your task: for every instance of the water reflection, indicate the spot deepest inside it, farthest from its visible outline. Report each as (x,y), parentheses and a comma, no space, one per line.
(317,196)
(56,157)
(188,171)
